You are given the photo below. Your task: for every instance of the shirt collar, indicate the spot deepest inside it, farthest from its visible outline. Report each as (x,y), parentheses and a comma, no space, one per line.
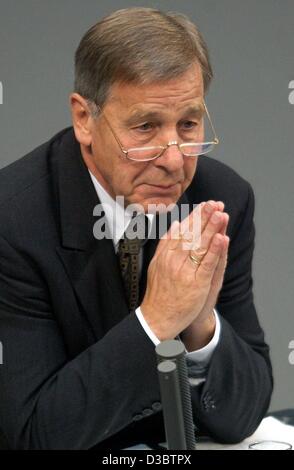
(117,217)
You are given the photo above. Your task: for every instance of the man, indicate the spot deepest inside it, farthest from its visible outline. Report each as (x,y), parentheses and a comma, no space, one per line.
(79,365)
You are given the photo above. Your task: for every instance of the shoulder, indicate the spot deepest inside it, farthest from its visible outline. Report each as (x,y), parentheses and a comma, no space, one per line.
(216,180)
(25,189)
(22,175)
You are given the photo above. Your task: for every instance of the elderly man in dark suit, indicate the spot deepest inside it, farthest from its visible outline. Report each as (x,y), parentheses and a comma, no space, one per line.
(78,332)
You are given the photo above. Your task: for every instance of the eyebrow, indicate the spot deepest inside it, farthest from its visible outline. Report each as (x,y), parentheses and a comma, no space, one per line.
(195,110)
(140,115)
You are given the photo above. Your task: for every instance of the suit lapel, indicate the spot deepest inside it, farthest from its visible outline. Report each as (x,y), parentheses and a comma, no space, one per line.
(96,279)
(91,264)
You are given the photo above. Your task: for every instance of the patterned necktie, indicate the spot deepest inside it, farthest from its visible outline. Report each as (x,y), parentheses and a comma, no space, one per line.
(128,252)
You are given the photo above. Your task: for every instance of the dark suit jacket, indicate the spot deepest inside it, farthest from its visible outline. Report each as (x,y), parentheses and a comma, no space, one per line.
(78,369)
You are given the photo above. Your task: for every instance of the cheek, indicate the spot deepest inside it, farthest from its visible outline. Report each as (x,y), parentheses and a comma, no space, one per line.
(100,155)
(190,168)
(189,171)
(125,177)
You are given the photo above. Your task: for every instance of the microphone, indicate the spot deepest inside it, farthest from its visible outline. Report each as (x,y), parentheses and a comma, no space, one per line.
(176,396)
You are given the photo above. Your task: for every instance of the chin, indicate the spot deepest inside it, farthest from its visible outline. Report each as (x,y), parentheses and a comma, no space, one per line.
(158,205)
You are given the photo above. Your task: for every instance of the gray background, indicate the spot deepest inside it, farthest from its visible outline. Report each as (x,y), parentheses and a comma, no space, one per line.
(252,48)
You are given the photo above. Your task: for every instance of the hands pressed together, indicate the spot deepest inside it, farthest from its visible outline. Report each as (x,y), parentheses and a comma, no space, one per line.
(181,294)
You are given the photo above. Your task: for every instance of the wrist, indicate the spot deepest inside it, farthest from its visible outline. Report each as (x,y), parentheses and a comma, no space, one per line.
(148,315)
(199,333)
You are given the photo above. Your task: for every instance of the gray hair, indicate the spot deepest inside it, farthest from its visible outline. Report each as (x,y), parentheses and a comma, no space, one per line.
(137,45)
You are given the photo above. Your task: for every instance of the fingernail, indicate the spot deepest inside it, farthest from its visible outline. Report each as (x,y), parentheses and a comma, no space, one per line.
(209,208)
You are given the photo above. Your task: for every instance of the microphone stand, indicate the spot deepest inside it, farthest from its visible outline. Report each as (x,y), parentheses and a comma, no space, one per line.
(175,395)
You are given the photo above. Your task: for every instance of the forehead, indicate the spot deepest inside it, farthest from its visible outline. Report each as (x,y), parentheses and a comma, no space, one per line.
(181,93)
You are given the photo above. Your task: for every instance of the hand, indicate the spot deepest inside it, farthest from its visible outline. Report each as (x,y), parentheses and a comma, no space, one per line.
(177,290)
(201,330)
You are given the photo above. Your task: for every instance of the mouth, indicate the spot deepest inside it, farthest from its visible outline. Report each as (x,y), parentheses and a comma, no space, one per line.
(158,187)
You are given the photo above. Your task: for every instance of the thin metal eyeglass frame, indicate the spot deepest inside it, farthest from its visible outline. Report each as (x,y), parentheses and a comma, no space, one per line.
(161,147)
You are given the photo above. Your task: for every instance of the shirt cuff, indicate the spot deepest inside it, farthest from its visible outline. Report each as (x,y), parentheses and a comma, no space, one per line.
(145,327)
(201,356)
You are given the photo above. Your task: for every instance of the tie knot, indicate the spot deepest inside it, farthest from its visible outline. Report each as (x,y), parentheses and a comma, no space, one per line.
(135,235)
(137,230)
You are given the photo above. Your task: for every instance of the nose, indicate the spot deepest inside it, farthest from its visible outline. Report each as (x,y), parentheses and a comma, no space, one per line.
(171,159)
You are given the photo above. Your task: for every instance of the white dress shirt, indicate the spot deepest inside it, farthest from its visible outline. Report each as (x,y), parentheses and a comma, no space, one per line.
(118,219)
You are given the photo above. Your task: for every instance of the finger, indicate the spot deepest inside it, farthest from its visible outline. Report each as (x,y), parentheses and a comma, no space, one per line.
(207,212)
(174,260)
(193,225)
(214,225)
(209,259)
(226,219)
(210,207)
(170,251)
(221,206)
(185,231)
(205,271)
(218,276)
(170,240)
(178,237)
(194,228)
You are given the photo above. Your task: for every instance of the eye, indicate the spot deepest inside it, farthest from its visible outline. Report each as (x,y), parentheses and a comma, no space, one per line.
(189,125)
(145,127)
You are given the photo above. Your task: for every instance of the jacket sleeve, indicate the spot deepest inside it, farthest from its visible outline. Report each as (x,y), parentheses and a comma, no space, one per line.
(236,394)
(48,401)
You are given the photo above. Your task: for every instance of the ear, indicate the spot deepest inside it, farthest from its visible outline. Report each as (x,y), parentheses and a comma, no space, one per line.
(81,118)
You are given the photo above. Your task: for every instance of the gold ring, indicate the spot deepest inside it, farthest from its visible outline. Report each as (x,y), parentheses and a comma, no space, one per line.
(195,259)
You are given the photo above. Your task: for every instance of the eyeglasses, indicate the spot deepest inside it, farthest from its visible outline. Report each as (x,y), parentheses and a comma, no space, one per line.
(146,154)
